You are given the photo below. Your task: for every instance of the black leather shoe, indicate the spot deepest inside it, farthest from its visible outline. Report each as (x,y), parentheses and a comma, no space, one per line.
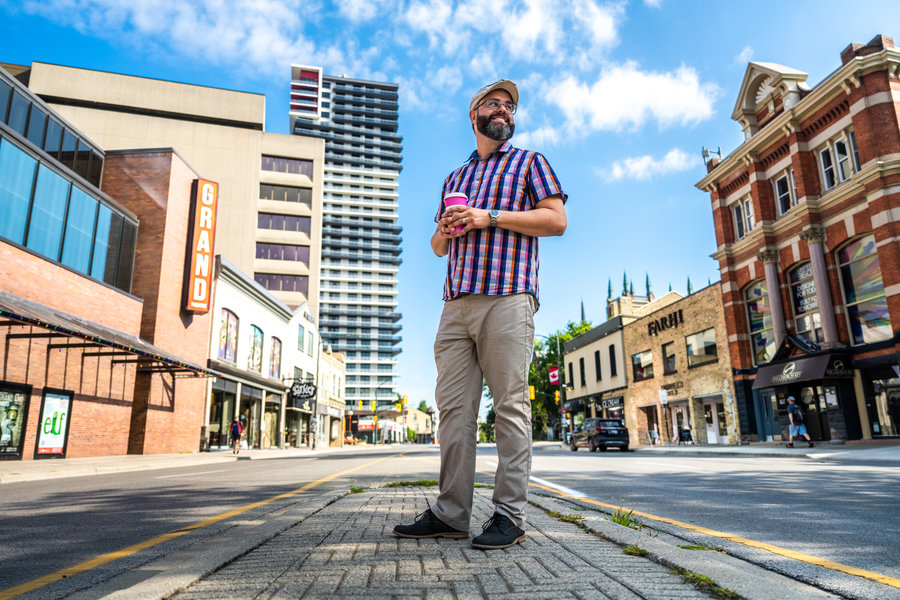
(498,532)
(427,525)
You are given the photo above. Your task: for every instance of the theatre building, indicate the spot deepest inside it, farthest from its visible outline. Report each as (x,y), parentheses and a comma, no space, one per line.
(806,222)
(681,385)
(100,350)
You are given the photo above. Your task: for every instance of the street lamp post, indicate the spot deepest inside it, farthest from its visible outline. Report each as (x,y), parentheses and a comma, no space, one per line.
(559,382)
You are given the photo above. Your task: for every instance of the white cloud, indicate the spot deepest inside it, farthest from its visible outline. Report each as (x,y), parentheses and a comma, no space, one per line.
(745,56)
(653,3)
(625,97)
(537,139)
(645,167)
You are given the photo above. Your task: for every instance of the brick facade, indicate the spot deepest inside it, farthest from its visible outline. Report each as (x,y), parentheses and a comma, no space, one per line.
(688,388)
(857,104)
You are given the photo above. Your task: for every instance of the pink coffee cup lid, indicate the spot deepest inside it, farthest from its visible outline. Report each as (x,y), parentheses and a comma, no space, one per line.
(455,198)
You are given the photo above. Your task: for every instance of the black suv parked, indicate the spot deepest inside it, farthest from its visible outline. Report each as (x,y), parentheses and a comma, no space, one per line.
(599,433)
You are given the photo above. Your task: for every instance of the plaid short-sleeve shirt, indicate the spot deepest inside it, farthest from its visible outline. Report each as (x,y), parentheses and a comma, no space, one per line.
(496,261)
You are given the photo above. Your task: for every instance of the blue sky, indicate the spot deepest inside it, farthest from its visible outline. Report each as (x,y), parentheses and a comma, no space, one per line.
(620,96)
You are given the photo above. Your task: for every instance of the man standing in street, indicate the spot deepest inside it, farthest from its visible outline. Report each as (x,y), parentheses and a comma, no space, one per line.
(487,328)
(796,427)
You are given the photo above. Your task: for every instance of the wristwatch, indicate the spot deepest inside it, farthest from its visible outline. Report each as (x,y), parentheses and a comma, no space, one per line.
(494,214)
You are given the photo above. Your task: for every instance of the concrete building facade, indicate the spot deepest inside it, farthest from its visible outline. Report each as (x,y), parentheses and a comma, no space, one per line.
(357,119)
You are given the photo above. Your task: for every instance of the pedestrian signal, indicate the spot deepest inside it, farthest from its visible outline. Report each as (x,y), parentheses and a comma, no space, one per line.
(531,392)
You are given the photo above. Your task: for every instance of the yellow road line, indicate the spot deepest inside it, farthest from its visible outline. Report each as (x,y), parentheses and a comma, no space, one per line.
(807,558)
(103,559)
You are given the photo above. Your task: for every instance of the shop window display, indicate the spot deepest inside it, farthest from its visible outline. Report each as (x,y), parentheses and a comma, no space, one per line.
(762,336)
(884,409)
(867,308)
(254,361)
(806,304)
(228,331)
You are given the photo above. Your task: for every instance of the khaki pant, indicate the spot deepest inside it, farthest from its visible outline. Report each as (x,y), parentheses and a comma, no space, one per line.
(493,337)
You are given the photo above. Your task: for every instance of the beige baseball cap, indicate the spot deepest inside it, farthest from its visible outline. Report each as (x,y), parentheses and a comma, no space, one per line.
(501,84)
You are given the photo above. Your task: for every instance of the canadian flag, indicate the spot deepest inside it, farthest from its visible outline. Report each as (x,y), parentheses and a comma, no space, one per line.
(554,375)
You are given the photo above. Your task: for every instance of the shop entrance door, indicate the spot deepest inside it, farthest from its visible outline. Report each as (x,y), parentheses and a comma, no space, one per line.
(714,413)
(815,413)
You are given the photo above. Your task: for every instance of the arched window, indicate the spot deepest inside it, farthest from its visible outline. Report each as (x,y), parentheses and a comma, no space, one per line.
(228,336)
(275,359)
(759,317)
(867,310)
(254,360)
(806,303)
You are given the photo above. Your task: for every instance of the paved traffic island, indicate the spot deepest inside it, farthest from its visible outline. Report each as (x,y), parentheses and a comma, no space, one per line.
(348,550)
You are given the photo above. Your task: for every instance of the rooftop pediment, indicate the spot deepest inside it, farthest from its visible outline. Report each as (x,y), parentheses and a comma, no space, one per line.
(765,83)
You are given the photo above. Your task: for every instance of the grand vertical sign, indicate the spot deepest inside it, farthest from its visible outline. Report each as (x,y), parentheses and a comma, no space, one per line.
(201,244)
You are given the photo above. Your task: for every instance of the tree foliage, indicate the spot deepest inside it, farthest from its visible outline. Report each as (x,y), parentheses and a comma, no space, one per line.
(544,410)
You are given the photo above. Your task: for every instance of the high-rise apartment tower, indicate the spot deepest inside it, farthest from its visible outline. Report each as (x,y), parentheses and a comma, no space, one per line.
(360,236)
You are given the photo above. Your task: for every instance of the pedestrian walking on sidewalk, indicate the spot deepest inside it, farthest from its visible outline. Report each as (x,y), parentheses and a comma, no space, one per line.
(486,331)
(237,431)
(796,427)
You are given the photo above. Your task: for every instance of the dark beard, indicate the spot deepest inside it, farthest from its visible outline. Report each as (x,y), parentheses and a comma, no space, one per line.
(495,131)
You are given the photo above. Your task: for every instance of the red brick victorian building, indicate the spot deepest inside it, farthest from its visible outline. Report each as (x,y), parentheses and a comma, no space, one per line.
(807,219)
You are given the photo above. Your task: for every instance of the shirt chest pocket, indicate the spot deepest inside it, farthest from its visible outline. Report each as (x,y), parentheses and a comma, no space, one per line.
(504,191)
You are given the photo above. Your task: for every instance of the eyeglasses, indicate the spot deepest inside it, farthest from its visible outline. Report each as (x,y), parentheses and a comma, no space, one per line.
(494,104)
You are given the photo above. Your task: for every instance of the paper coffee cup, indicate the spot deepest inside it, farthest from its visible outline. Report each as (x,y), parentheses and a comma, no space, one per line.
(455,199)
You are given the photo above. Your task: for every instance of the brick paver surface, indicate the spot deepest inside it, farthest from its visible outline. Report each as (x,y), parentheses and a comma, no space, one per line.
(347,550)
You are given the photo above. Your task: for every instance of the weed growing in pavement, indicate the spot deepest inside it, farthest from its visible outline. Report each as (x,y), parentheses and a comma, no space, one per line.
(707,584)
(634,551)
(700,547)
(420,483)
(355,489)
(626,519)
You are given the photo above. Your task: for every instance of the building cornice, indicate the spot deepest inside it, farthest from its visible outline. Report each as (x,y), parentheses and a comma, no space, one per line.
(841,81)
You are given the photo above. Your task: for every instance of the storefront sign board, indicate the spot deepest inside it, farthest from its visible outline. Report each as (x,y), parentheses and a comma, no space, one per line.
(198,288)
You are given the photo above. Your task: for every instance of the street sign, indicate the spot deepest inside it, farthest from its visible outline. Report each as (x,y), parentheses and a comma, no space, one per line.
(663,397)
(554,375)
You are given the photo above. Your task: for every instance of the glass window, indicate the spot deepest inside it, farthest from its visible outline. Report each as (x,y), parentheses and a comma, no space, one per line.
(48,209)
(783,194)
(739,230)
(642,365)
(37,122)
(83,159)
(867,308)
(701,347)
(16,179)
(597,363)
(18,112)
(53,139)
(827,168)
(762,336)
(125,264)
(301,337)
(228,331)
(283,283)
(571,376)
(287,165)
(852,136)
(805,302)
(106,245)
(283,222)
(309,343)
(5,91)
(581,370)
(612,360)
(842,155)
(275,359)
(285,193)
(67,150)
(254,360)
(292,252)
(96,169)
(668,351)
(80,220)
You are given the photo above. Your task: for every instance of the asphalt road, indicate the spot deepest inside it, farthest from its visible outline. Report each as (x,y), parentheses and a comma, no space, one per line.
(846,513)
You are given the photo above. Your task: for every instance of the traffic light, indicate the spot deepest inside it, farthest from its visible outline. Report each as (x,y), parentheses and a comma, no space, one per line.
(373,406)
(531,392)
(403,402)
(399,407)
(556,396)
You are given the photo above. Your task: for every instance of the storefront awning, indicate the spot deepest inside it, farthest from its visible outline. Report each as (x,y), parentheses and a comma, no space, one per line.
(148,358)
(824,366)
